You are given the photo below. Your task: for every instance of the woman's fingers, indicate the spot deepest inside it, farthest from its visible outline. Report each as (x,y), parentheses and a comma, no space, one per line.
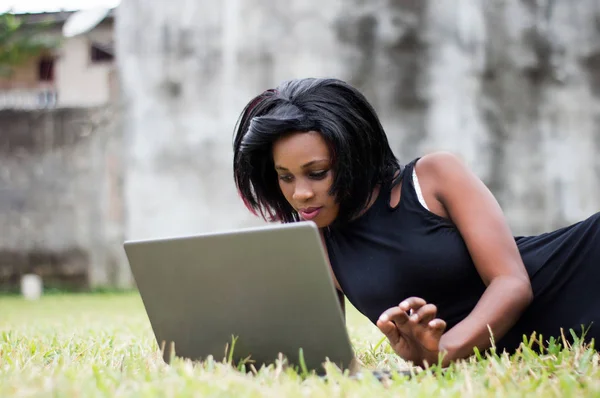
(419,310)
(412,303)
(437,326)
(389,321)
(395,322)
(389,329)
(394,314)
(425,314)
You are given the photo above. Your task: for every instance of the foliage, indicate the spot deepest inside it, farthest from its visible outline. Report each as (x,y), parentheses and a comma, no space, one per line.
(102,345)
(19,42)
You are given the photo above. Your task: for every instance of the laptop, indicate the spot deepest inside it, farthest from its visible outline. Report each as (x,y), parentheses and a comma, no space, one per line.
(261,291)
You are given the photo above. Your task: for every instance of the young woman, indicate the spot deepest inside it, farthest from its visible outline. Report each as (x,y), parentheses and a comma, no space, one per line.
(423,249)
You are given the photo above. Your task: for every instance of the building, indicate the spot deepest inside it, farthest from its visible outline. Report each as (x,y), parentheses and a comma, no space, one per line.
(80,72)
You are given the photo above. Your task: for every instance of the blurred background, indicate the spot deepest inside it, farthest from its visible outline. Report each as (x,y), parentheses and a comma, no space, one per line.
(116,123)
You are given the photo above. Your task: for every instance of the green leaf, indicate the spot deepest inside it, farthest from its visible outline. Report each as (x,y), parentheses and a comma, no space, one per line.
(20,42)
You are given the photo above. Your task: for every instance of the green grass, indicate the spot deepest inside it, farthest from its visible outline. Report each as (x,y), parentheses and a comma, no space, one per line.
(78,345)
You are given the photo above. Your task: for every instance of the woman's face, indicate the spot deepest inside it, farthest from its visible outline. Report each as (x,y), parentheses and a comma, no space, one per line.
(303,165)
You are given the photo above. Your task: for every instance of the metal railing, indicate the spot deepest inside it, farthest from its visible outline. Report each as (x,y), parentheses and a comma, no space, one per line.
(28,99)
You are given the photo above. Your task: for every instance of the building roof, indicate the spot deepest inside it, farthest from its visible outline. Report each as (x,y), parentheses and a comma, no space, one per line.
(56,17)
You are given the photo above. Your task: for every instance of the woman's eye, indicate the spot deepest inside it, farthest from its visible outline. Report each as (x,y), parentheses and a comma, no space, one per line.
(318,175)
(285,178)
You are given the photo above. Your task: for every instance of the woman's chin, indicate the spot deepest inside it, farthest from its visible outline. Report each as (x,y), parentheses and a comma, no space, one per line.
(321,223)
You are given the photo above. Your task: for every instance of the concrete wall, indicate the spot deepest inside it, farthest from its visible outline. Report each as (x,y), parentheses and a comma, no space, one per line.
(61,197)
(511,86)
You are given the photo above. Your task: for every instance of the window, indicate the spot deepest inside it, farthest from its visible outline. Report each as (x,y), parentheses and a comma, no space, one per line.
(101,53)
(46,69)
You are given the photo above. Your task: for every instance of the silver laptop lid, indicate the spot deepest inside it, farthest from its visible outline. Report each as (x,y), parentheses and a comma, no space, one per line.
(270,287)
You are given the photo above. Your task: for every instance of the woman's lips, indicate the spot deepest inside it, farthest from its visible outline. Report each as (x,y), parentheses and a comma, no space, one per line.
(309,213)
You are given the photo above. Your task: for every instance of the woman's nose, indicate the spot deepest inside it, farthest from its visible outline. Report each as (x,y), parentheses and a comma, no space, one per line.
(303,192)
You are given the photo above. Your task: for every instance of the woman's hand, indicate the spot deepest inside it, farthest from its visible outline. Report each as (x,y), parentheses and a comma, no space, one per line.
(415,337)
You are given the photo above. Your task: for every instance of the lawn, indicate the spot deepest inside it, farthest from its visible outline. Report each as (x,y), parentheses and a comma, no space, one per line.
(102,345)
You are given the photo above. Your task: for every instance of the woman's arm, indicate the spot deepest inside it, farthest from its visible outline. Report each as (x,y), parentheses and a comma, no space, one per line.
(476,213)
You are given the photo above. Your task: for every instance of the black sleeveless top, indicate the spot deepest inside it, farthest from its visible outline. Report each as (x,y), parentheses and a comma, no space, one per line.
(389,254)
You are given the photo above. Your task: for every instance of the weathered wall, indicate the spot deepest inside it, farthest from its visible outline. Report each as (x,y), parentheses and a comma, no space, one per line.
(61,201)
(512,86)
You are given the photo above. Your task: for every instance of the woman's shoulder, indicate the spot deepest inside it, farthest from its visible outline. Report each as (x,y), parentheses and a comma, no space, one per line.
(437,161)
(439,167)
(443,179)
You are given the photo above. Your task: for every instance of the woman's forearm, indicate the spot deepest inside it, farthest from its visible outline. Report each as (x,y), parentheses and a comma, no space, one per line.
(499,307)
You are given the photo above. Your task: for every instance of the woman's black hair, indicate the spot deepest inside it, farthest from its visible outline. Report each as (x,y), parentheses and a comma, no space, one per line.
(359,148)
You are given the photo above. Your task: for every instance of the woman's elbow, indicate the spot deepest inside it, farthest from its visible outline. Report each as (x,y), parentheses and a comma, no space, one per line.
(522,290)
(517,288)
